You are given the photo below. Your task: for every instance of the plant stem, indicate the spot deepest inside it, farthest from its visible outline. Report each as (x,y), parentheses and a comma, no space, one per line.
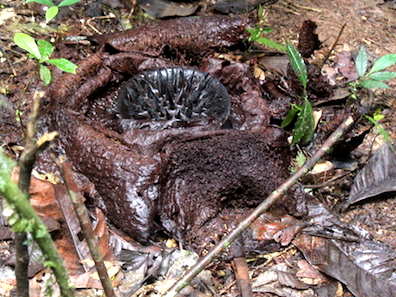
(85,223)
(17,196)
(18,200)
(26,163)
(270,200)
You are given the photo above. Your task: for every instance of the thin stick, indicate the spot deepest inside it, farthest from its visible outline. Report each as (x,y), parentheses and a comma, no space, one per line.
(26,162)
(19,198)
(270,200)
(85,223)
(8,61)
(332,47)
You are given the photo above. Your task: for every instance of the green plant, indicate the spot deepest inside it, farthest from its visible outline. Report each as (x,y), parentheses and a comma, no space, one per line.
(41,51)
(53,9)
(256,36)
(377,116)
(257,32)
(305,124)
(24,218)
(374,78)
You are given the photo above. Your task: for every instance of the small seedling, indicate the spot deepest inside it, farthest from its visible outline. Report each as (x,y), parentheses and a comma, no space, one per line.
(41,51)
(53,9)
(374,78)
(256,36)
(305,125)
(377,116)
(300,160)
(257,32)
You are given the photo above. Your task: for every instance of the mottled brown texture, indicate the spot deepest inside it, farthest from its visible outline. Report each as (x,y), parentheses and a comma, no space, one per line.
(224,170)
(125,181)
(249,108)
(318,84)
(308,40)
(196,35)
(207,177)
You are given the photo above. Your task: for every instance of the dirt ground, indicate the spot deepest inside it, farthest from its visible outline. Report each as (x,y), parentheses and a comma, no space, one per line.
(369,23)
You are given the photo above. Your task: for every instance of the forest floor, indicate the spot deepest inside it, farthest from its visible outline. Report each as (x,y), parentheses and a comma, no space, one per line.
(371,23)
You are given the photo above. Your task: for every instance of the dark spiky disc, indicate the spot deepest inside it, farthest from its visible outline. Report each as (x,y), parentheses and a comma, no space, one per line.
(173,98)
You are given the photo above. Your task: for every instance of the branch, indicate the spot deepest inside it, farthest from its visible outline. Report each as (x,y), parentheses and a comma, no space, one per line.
(261,208)
(85,222)
(19,199)
(28,220)
(26,163)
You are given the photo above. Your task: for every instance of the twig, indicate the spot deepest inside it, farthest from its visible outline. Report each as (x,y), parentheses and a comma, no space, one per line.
(241,269)
(270,200)
(85,222)
(29,220)
(291,3)
(8,61)
(26,162)
(332,47)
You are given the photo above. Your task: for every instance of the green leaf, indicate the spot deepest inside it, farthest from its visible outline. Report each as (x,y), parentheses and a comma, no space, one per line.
(254,33)
(260,11)
(45,49)
(305,124)
(268,42)
(27,43)
(289,117)
(298,65)
(64,65)
(383,75)
(361,62)
(373,84)
(378,115)
(381,130)
(300,159)
(40,231)
(43,2)
(51,13)
(67,2)
(45,74)
(383,62)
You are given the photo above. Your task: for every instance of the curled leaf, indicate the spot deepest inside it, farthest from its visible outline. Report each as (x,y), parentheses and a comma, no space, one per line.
(290,117)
